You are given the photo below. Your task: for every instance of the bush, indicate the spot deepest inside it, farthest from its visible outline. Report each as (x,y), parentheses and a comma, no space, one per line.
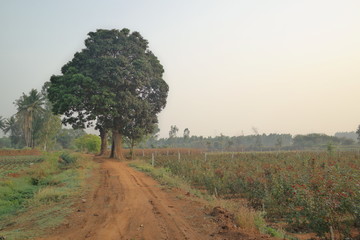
(66,160)
(89,143)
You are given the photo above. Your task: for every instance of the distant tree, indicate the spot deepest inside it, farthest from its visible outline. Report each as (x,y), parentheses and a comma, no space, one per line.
(47,127)
(66,137)
(114,79)
(5,142)
(208,145)
(349,135)
(28,108)
(279,142)
(229,144)
(13,128)
(186,133)
(358,133)
(151,140)
(173,131)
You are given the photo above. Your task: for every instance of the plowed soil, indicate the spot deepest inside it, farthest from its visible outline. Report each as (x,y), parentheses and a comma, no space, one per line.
(128,204)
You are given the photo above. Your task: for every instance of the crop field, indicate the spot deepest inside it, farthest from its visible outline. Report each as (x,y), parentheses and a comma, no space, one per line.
(14,164)
(305,191)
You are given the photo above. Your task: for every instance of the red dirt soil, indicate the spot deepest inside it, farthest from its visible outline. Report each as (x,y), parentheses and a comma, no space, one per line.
(128,204)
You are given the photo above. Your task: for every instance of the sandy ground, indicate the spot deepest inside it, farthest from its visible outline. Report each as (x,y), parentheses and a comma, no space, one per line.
(128,204)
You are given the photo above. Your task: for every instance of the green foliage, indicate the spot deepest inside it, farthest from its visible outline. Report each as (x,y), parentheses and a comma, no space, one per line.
(47,126)
(34,124)
(5,142)
(263,142)
(2,123)
(65,137)
(358,133)
(173,131)
(12,127)
(186,133)
(66,159)
(13,194)
(88,143)
(29,107)
(116,81)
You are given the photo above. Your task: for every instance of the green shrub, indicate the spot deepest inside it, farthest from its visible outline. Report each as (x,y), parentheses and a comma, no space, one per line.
(89,143)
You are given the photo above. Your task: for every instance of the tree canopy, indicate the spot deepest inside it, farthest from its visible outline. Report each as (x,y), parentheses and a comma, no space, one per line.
(115,82)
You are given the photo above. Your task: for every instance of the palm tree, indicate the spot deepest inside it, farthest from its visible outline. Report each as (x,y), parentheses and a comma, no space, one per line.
(28,106)
(11,125)
(2,123)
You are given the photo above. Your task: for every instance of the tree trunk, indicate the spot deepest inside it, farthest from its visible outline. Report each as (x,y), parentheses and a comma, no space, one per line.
(112,148)
(132,144)
(116,150)
(103,136)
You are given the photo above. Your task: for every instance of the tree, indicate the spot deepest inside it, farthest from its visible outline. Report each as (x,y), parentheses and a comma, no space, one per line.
(2,123)
(358,133)
(151,140)
(173,131)
(46,128)
(88,143)
(66,137)
(28,106)
(279,142)
(16,137)
(137,129)
(115,81)
(186,133)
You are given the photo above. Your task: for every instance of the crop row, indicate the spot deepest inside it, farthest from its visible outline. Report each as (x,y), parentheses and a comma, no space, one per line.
(311,191)
(11,164)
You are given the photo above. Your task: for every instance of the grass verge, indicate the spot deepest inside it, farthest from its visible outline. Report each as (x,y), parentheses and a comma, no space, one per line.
(41,197)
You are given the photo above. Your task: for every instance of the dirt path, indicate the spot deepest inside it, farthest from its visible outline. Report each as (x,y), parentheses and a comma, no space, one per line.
(127,204)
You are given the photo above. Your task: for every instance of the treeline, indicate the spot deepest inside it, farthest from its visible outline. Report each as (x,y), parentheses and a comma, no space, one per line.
(35,126)
(258,142)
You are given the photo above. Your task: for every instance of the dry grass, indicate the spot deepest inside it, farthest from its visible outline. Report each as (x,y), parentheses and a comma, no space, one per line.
(245,217)
(49,195)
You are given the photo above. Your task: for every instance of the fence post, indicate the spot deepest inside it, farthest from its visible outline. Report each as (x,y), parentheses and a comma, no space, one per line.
(205,157)
(179,156)
(152,159)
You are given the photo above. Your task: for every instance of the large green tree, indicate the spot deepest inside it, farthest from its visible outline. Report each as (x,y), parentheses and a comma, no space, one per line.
(115,82)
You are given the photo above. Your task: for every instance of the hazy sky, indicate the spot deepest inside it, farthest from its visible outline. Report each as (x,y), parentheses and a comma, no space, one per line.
(280,66)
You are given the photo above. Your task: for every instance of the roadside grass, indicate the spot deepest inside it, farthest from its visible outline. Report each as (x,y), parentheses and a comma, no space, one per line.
(246,218)
(41,197)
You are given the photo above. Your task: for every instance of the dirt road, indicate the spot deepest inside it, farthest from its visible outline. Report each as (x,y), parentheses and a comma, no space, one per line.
(127,204)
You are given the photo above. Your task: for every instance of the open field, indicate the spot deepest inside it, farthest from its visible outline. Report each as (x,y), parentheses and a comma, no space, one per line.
(299,191)
(301,194)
